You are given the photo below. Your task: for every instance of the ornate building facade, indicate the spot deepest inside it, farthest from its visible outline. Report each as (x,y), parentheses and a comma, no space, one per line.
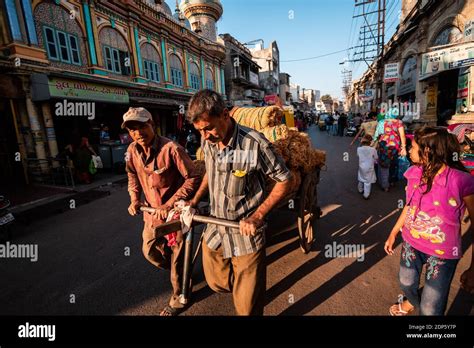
(111,54)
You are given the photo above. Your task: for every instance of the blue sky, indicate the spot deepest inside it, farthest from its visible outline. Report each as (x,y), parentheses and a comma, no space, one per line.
(318,27)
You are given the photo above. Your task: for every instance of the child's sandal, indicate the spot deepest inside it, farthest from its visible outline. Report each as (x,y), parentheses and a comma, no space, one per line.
(397,311)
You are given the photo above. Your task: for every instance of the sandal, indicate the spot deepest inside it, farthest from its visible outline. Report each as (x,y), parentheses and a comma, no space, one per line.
(169,311)
(396,310)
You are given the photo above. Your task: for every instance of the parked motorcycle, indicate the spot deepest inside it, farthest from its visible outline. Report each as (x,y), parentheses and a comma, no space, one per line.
(6,219)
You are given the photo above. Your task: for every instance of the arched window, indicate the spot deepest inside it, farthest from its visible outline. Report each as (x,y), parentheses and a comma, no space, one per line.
(209,79)
(448,36)
(409,66)
(115,51)
(194,75)
(59,35)
(408,78)
(176,69)
(151,62)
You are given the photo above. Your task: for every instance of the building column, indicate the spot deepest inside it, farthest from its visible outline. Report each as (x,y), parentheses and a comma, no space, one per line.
(29,21)
(217,78)
(35,125)
(25,130)
(90,32)
(186,57)
(203,73)
(186,80)
(20,141)
(137,56)
(99,67)
(222,81)
(164,57)
(13,20)
(50,131)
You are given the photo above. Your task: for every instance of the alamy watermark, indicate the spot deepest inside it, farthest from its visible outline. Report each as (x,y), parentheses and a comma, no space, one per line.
(335,250)
(238,156)
(402,109)
(69,108)
(21,251)
(37,331)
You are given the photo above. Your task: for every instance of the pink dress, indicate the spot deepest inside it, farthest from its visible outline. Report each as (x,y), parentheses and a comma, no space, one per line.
(433,220)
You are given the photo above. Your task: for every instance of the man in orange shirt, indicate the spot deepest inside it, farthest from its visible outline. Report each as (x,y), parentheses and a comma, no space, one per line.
(164,173)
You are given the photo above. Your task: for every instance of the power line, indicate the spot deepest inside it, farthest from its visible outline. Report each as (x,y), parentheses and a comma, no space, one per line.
(316,57)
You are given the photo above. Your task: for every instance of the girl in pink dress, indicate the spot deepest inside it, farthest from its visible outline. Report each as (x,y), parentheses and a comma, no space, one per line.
(438,191)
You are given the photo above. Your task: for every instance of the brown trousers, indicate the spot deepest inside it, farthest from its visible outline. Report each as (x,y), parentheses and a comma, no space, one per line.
(245,276)
(158,253)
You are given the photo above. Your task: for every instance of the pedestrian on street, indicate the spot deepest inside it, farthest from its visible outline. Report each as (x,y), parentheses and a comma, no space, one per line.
(329,121)
(367,128)
(80,151)
(357,120)
(366,174)
(335,124)
(391,144)
(164,173)
(439,190)
(234,259)
(341,124)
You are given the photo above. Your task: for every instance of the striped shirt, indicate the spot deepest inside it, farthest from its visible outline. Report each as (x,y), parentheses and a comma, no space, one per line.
(236,177)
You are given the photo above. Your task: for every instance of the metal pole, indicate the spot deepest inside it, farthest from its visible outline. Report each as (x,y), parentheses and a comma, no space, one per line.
(187,268)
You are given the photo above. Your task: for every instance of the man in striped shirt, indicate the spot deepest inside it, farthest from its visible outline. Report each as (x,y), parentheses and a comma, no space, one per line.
(238,161)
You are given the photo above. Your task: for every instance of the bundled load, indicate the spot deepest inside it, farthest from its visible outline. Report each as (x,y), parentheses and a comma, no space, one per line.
(258,118)
(297,152)
(293,146)
(275,133)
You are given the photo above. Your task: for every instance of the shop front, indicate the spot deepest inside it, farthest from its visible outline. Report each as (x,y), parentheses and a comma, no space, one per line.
(448,72)
(75,109)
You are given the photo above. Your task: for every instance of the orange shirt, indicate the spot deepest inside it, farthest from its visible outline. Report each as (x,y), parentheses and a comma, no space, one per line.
(166,176)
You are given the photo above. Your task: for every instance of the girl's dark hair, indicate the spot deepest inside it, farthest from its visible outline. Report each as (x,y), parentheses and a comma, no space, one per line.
(437,147)
(366,140)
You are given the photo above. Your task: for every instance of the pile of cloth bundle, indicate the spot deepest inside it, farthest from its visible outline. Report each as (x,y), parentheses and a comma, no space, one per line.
(294,147)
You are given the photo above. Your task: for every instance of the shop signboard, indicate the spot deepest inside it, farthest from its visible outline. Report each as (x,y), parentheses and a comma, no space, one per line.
(368,95)
(446,59)
(70,89)
(463,90)
(253,78)
(391,72)
(469,30)
(432,97)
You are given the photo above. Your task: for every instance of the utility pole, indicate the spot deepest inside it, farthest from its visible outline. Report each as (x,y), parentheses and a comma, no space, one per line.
(371,35)
(372,38)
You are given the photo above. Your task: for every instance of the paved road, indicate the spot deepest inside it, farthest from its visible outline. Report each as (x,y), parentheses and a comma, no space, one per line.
(84,266)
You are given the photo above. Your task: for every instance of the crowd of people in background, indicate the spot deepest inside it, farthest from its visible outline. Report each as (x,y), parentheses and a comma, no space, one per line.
(385,133)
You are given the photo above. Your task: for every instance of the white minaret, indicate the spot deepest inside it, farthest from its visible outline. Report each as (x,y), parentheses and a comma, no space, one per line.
(203,15)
